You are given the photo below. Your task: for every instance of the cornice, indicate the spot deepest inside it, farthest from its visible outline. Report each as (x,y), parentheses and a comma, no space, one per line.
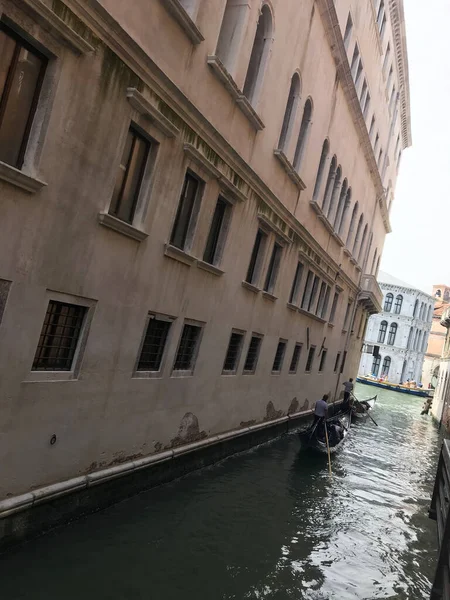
(399,34)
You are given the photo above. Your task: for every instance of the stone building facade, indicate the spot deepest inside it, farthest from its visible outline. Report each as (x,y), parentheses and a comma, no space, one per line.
(194,200)
(401,331)
(440,408)
(436,339)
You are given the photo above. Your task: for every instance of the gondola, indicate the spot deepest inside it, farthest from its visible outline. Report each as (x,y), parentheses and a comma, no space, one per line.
(361,408)
(314,437)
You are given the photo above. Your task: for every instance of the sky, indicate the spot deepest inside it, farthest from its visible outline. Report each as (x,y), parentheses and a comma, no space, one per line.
(416,250)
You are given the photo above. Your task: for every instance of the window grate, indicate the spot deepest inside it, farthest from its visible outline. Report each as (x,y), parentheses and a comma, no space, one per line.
(154,345)
(187,349)
(252,354)
(295,358)
(233,352)
(279,357)
(59,337)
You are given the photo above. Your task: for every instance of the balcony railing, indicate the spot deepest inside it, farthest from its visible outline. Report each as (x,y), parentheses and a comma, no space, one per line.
(371,295)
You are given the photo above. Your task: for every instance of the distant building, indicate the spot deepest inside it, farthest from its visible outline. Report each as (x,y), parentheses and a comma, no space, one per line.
(440,407)
(430,373)
(401,332)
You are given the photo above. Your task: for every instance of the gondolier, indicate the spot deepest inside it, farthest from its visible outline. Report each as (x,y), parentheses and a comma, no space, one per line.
(348,389)
(321,409)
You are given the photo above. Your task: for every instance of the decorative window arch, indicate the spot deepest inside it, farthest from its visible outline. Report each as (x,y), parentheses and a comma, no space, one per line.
(376,365)
(352,224)
(358,234)
(382,332)
(290,112)
(392,334)
(330,184)
(386,366)
(398,304)
(416,306)
(363,243)
(335,192)
(341,204)
(320,170)
(303,135)
(343,220)
(259,56)
(388,302)
(374,261)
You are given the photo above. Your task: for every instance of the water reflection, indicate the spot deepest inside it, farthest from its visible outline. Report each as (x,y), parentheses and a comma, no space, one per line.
(268,524)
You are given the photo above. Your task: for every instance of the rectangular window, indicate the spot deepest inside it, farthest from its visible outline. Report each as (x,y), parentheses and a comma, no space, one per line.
(334,307)
(233,353)
(59,337)
(308,288)
(390,76)
(336,364)
(184,220)
(348,31)
(188,348)
(347,315)
(320,303)
(366,106)
(217,232)
(256,257)
(343,362)
(372,127)
(309,362)
(279,356)
(295,358)
(129,179)
(362,97)
(293,298)
(272,271)
(313,296)
(154,344)
(22,70)
(323,314)
(323,358)
(355,61)
(251,359)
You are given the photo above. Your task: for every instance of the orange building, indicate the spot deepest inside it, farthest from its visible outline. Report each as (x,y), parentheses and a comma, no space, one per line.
(436,339)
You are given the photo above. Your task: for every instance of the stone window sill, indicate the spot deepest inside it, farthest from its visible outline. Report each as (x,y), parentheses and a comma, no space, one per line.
(347,252)
(119,226)
(339,240)
(184,20)
(292,306)
(182,373)
(250,287)
(51,376)
(269,296)
(20,179)
(309,314)
(178,254)
(231,86)
(147,375)
(58,26)
(145,108)
(210,268)
(231,190)
(201,160)
(289,168)
(331,325)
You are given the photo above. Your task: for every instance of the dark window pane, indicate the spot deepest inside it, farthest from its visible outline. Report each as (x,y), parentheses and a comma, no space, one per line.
(343,361)
(333,307)
(21,73)
(184,212)
(211,255)
(252,354)
(279,356)
(129,178)
(59,337)
(154,344)
(187,349)
(233,352)
(336,364)
(257,249)
(295,358)
(296,283)
(313,293)
(272,271)
(323,358)
(307,292)
(309,362)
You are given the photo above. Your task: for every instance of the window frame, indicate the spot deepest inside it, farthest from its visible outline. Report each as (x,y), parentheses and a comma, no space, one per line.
(323,358)
(219,247)
(234,371)
(257,257)
(191,224)
(310,359)
(273,268)
(258,353)
(188,372)
(282,343)
(388,302)
(146,374)
(297,346)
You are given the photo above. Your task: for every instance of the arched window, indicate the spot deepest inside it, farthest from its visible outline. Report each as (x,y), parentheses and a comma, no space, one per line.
(343,220)
(231,34)
(392,334)
(319,177)
(303,135)
(416,306)
(376,365)
(398,304)
(374,261)
(341,204)
(408,345)
(415,340)
(419,341)
(330,184)
(290,112)
(259,56)
(388,302)
(386,366)
(363,243)
(358,235)
(352,224)
(382,332)
(334,193)
(438,293)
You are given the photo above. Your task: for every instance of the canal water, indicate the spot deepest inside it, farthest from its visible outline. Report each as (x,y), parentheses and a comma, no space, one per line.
(268,524)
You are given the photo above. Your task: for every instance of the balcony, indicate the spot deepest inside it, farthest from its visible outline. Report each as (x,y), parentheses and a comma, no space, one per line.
(370,295)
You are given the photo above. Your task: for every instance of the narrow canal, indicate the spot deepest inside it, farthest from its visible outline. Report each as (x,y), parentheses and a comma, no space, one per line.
(268,524)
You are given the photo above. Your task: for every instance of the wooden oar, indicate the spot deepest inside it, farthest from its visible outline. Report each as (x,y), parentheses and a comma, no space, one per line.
(328,448)
(365,409)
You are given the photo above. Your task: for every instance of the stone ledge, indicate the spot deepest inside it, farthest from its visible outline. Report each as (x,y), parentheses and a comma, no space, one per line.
(145,108)
(250,287)
(119,226)
(230,189)
(184,20)
(180,255)
(312,315)
(201,160)
(251,114)
(289,168)
(20,179)
(274,228)
(58,26)
(269,296)
(210,268)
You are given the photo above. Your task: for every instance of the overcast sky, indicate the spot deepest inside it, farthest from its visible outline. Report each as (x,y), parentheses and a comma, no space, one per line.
(416,250)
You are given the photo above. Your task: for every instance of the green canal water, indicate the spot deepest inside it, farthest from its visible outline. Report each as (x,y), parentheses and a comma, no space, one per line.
(267,524)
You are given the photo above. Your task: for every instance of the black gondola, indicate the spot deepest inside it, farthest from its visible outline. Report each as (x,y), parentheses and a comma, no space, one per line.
(362,408)
(337,428)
